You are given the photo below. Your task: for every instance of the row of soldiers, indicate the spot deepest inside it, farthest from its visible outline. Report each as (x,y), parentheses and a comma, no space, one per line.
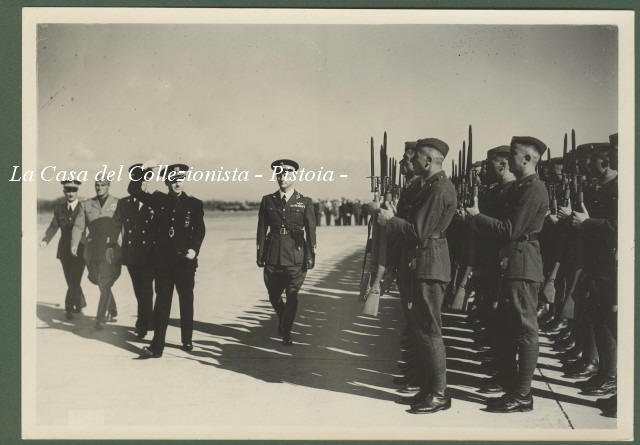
(537,239)
(157,236)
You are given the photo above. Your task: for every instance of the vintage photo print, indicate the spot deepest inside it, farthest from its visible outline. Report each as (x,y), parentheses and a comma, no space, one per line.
(327,224)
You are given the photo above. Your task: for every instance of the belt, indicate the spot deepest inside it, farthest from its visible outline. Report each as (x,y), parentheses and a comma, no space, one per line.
(285,230)
(529,237)
(438,235)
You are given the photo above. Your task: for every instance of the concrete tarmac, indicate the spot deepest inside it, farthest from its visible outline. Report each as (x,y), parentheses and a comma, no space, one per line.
(241,382)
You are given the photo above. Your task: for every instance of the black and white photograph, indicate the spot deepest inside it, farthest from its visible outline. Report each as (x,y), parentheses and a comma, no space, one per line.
(327,224)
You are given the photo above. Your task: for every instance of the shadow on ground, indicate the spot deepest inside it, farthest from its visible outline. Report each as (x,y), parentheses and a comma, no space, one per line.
(336,348)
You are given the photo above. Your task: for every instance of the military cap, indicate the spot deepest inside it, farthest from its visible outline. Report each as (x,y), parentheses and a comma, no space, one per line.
(285,164)
(501,150)
(439,145)
(613,140)
(71,184)
(410,145)
(177,172)
(531,141)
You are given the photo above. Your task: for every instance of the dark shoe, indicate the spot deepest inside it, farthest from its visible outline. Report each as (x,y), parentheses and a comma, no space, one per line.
(582,370)
(491,386)
(592,382)
(409,388)
(608,386)
(556,327)
(431,404)
(564,346)
(510,404)
(141,334)
(187,347)
(563,335)
(414,399)
(111,318)
(98,326)
(286,340)
(571,355)
(69,315)
(147,352)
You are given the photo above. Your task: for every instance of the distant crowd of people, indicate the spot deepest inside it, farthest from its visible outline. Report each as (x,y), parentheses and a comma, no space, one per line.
(347,212)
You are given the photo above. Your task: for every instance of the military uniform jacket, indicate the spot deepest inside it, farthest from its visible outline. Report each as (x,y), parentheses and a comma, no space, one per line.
(600,231)
(279,238)
(483,250)
(525,212)
(179,224)
(137,222)
(103,231)
(63,219)
(425,227)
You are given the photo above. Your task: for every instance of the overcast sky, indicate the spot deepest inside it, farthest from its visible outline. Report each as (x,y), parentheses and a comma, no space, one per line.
(239,96)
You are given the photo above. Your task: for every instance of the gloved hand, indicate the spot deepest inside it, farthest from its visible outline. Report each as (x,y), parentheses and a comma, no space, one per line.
(311,262)
(109,255)
(549,291)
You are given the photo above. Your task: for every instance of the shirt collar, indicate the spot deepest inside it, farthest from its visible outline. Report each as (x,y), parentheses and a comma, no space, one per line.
(433,178)
(287,195)
(72,204)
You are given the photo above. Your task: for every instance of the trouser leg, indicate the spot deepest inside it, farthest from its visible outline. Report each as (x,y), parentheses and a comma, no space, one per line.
(164,288)
(429,304)
(275,282)
(295,278)
(68,277)
(185,275)
(523,296)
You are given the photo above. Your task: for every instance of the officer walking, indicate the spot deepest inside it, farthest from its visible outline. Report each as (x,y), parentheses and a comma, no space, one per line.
(64,214)
(179,231)
(96,216)
(286,244)
(137,222)
(425,228)
(517,231)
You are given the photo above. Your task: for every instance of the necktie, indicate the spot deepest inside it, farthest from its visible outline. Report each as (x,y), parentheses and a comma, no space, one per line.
(69,209)
(284,201)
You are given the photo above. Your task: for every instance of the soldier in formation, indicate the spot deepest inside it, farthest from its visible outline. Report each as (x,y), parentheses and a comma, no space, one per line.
(538,257)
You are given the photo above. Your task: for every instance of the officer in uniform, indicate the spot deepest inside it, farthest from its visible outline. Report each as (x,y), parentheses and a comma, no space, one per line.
(137,222)
(96,216)
(178,232)
(599,226)
(425,230)
(286,244)
(521,261)
(64,214)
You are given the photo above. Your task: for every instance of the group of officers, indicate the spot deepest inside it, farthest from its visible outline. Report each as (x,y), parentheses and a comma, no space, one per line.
(157,236)
(538,242)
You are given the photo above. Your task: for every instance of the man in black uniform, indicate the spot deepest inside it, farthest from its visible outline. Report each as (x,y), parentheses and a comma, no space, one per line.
(517,232)
(64,214)
(137,222)
(286,244)
(179,232)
